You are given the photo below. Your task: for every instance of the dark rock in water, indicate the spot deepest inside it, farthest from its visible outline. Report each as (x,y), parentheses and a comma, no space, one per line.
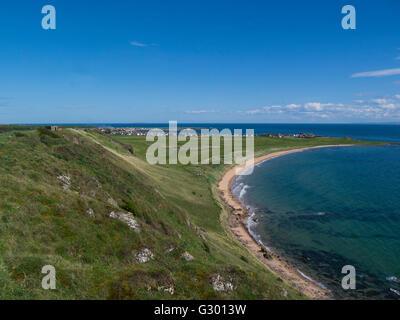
(303,259)
(361,286)
(372,293)
(266,255)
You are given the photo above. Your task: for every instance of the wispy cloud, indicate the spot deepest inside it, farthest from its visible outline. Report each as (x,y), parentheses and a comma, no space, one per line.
(306,108)
(142,45)
(380,100)
(200,111)
(377,73)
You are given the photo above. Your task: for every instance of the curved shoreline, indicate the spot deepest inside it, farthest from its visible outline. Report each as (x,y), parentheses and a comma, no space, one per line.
(237,221)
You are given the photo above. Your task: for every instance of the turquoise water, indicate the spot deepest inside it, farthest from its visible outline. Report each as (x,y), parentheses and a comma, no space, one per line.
(326,208)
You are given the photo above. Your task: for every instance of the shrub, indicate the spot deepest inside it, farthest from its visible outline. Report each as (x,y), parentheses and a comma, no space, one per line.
(19,134)
(128,205)
(43,132)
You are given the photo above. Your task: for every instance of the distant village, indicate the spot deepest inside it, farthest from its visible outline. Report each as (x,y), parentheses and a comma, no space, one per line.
(282,135)
(125,131)
(133,131)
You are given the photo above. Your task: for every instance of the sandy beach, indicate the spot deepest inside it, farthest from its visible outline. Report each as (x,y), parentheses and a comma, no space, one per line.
(238,224)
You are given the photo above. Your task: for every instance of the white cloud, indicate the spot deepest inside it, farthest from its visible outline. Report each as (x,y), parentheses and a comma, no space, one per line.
(142,45)
(200,111)
(389,106)
(266,109)
(375,109)
(317,106)
(293,106)
(377,73)
(256,111)
(397,96)
(307,108)
(380,101)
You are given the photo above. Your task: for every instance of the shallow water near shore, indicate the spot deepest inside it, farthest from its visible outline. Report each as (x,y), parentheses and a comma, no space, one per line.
(323,209)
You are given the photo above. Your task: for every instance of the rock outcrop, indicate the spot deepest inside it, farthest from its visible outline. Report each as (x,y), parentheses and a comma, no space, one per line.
(126,218)
(187,256)
(220,284)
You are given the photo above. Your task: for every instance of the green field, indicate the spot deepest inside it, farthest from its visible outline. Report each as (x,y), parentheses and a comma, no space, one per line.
(58,190)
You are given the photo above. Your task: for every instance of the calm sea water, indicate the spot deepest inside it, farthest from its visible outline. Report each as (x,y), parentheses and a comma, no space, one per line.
(326,208)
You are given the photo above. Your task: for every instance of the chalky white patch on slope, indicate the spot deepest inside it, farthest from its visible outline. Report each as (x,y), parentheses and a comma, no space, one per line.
(219,284)
(144,256)
(66,181)
(126,218)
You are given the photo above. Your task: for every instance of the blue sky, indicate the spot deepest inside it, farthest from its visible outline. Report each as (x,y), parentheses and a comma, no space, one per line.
(199,61)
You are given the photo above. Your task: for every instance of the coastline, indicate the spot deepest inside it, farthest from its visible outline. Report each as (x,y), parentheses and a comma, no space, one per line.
(237,221)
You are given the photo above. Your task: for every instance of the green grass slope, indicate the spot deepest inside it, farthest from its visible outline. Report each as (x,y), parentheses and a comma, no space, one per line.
(58,190)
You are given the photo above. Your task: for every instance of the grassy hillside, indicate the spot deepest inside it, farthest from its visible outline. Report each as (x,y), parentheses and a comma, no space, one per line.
(116,227)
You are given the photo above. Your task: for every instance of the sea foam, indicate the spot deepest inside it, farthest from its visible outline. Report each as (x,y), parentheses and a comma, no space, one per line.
(251,222)
(393,279)
(312,280)
(395,291)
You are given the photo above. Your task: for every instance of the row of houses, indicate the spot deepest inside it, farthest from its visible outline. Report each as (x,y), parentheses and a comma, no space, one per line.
(125,131)
(145,131)
(282,135)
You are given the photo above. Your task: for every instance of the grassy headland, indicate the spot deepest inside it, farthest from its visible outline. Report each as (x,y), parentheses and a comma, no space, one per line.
(58,190)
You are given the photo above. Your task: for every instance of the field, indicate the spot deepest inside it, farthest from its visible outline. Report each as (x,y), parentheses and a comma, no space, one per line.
(58,191)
